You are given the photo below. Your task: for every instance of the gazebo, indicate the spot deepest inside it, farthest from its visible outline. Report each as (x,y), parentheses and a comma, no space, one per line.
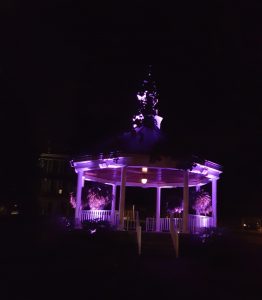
(143,158)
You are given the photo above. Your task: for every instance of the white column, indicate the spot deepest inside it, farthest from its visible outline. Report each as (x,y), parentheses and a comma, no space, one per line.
(214,202)
(122,198)
(78,198)
(185,203)
(158,207)
(113,204)
(197,188)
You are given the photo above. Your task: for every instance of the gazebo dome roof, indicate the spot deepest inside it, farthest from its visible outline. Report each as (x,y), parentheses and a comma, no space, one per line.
(142,140)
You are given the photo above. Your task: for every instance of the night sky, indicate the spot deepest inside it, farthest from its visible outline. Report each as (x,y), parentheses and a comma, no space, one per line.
(70,73)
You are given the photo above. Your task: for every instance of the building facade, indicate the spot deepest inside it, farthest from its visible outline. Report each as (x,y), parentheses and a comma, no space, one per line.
(56,182)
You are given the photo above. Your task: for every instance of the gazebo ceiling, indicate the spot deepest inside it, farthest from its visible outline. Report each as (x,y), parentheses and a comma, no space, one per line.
(154,177)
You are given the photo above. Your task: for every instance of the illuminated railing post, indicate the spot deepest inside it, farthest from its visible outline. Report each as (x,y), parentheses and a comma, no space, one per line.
(214,202)
(122,198)
(158,206)
(185,203)
(113,204)
(79,198)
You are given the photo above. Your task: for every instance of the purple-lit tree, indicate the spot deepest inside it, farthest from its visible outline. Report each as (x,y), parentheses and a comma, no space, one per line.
(203,205)
(176,211)
(72,200)
(98,197)
(147,101)
(174,205)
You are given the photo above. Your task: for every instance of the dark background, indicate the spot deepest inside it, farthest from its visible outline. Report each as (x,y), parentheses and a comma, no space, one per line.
(70,72)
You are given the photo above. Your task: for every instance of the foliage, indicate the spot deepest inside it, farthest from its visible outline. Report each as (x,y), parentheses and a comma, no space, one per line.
(96,225)
(148,99)
(208,234)
(72,200)
(174,204)
(202,204)
(176,211)
(97,196)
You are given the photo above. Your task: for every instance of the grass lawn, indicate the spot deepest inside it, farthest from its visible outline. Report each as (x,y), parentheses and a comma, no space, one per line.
(40,260)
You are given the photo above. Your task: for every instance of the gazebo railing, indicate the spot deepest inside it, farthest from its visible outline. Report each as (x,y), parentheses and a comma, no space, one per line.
(105,215)
(150,224)
(196,222)
(101,215)
(165,224)
(129,223)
